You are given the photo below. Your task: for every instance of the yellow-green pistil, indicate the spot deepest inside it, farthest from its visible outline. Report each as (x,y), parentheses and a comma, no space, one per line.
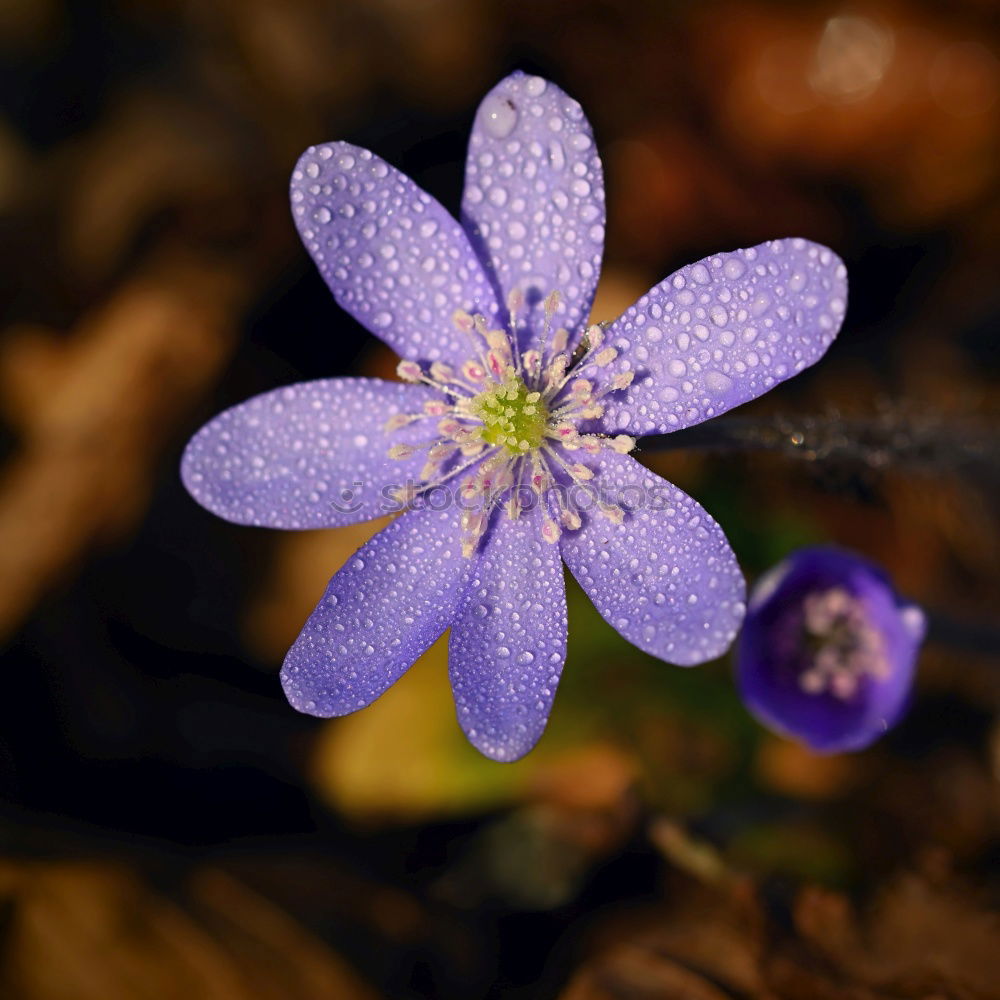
(513,415)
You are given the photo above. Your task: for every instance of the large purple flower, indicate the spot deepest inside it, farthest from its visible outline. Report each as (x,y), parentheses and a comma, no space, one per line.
(828,650)
(508,443)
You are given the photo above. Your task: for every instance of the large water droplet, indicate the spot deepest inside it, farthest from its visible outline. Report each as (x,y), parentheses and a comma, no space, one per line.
(499,116)
(718,382)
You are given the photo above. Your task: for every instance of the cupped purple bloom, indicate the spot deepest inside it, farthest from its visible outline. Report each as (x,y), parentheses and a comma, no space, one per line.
(506,445)
(828,650)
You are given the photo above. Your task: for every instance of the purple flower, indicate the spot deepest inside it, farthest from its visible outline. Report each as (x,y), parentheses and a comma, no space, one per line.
(508,441)
(828,650)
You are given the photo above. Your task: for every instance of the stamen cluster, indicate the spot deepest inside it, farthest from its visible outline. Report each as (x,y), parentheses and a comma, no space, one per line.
(510,419)
(845,646)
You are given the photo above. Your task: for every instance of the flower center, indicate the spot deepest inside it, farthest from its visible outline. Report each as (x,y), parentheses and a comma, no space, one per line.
(508,422)
(514,416)
(845,648)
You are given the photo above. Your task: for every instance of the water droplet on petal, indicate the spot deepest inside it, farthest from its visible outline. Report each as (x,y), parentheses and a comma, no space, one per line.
(718,382)
(499,116)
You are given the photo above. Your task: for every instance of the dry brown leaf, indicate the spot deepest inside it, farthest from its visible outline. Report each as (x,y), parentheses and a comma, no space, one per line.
(97,931)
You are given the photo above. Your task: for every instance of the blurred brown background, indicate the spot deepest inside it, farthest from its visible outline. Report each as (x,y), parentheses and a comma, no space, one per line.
(169,827)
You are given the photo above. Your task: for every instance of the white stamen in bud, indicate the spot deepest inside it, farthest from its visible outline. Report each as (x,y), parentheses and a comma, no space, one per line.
(550,531)
(560,339)
(498,362)
(622,380)
(551,303)
(590,444)
(504,478)
(532,361)
(605,357)
(515,301)
(595,336)
(593,412)
(441,372)
(498,340)
(436,407)
(479,321)
(579,471)
(473,526)
(401,451)
(612,512)
(473,371)
(538,475)
(397,421)
(409,371)
(570,519)
(581,387)
(623,444)
(557,369)
(463,321)
(450,427)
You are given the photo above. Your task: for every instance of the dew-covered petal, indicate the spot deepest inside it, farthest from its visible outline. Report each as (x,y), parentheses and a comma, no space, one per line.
(666,577)
(311,455)
(390,601)
(508,644)
(392,256)
(534,195)
(723,331)
(877,641)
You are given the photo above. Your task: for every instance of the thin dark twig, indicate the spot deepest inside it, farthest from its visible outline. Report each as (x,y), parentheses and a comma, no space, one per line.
(896,437)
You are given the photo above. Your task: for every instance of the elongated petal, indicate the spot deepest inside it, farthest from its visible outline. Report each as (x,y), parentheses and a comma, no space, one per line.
(723,331)
(534,195)
(391,600)
(311,455)
(665,577)
(508,644)
(392,256)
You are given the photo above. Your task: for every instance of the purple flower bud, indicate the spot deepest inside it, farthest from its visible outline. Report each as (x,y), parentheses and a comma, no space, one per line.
(828,650)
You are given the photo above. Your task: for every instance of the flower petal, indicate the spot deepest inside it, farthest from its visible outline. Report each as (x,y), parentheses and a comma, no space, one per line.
(665,577)
(508,644)
(390,601)
(723,331)
(392,256)
(311,455)
(534,194)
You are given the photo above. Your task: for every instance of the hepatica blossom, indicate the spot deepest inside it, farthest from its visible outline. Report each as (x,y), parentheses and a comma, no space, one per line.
(828,650)
(506,445)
